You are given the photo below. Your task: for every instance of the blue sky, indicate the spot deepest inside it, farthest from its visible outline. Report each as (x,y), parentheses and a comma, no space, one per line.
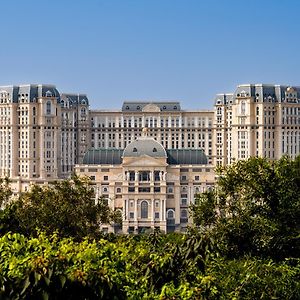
(116,50)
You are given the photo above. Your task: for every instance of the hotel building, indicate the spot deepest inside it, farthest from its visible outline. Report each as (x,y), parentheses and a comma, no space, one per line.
(45,136)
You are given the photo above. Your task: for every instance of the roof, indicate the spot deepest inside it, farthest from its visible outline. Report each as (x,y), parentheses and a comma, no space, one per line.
(32,92)
(74,99)
(186,157)
(174,157)
(103,157)
(144,146)
(139,105)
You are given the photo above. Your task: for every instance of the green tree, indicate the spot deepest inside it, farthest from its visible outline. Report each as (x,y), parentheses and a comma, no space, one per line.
(67,207)
(255,207)
(5,191)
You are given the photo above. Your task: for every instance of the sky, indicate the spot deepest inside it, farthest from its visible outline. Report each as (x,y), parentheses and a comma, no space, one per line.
(150,50)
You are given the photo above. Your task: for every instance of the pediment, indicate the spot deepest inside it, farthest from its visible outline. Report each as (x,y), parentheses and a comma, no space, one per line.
(144,161)
(151,108)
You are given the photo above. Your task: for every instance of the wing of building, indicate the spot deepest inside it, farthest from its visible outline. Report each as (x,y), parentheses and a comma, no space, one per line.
(151,186)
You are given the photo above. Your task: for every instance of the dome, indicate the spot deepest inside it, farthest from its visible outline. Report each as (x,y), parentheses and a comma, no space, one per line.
(145,146)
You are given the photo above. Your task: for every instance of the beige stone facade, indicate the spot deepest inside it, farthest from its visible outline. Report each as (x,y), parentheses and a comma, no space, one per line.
(257,120)
(44,134)
(151,186)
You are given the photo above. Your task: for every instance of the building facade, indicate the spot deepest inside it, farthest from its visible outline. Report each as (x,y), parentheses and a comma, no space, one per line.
(44,134)
(257,120)
(150,185)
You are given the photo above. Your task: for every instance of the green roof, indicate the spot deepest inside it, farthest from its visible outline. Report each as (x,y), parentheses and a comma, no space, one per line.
(174,157)
(186,157)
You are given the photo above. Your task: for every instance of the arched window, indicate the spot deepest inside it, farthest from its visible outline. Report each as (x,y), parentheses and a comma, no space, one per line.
(118,190)
(134,150)
(83,111)
(170,214)
(154,150)
(34,111)
(144,210)
(48,108)
(48,94)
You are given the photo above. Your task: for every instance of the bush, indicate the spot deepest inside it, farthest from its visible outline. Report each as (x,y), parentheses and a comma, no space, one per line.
(148,267)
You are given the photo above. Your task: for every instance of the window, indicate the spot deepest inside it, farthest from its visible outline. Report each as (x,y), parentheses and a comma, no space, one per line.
(243,107)
(197,178)
(144,210)
(144,189)
(154,150)
(183,214)
(157,203)
(170,214)
(118,190)
(156,215)
(105,178)
(48,94)
(83,112)
(183,201)
(134,150)
(131,215)
(48,108)
(170,189)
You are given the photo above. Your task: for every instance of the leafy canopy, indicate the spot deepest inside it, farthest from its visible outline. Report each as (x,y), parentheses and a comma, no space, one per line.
(255,207)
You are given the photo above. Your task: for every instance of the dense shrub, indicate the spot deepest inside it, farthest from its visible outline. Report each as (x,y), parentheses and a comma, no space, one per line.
(147,267)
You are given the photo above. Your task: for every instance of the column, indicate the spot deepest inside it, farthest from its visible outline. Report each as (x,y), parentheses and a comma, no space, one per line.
(135,206)
(125,210)
(152,209)
(161,210)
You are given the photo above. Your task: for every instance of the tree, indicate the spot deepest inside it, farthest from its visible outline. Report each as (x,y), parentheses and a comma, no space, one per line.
(67,207)
(255,207)
(5,192)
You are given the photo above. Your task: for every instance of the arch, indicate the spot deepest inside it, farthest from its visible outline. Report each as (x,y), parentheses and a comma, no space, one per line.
(144,209)
(170,214)
(48,94)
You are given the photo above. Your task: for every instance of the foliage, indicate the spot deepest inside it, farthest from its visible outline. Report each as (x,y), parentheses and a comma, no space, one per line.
(66,207)
(255,207)
(245,244)
(130,267)
(5,191)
